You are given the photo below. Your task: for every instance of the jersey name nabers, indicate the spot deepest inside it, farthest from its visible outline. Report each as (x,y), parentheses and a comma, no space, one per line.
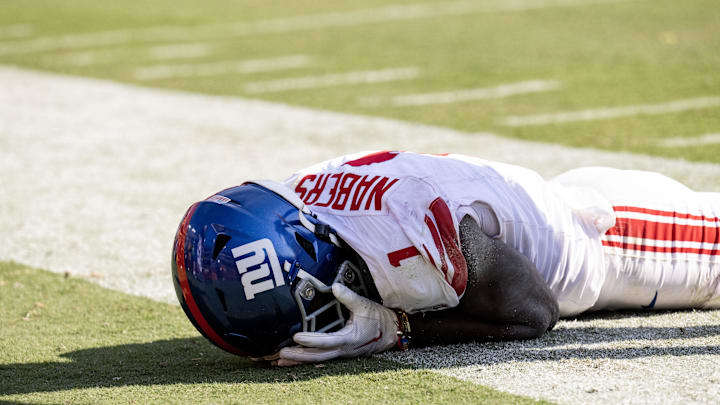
(344,191)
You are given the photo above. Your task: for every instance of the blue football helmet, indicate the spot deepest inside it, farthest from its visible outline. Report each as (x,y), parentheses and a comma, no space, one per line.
(252,266)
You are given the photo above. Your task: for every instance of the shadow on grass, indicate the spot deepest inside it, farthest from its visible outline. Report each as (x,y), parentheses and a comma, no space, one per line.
(194,360)
(175,361)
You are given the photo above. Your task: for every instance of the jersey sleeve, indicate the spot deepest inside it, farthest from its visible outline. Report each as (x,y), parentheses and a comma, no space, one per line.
(483,215)
(432,230)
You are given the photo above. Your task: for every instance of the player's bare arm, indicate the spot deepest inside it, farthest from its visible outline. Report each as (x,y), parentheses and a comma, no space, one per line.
(506,299)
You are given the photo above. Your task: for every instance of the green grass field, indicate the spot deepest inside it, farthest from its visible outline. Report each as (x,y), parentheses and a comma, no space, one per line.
(606,55)
(65,340)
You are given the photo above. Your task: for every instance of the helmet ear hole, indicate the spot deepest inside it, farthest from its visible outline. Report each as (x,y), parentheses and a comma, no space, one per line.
(220,241)
(306,245)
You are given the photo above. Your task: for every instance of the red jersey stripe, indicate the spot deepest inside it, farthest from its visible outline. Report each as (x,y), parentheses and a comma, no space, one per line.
(451,241)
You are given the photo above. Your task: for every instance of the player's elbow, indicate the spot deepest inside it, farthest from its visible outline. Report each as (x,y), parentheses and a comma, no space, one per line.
(543,319)
(537,328)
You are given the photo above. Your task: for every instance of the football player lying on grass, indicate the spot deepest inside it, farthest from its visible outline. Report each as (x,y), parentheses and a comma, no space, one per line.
(364,253)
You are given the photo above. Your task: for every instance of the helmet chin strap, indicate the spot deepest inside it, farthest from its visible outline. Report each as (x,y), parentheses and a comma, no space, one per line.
(290,196)
(311,227)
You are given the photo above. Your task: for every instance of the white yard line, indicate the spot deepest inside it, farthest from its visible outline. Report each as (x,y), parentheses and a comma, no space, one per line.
(96,176)
(613,112)
(681,142)
(333,79)
(388,13)
(180,51)
(449,97)
(157,72)
(16,31)
(82,58)
(105,56)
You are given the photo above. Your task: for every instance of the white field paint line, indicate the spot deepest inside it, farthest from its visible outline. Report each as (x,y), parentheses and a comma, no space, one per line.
(89,166)
(157,72)
(333,79)
(16,31)
(613,112)
(388,13)
(180,51)
(397,12)
(681,142)
(83,58)
(164,52)
(449,97)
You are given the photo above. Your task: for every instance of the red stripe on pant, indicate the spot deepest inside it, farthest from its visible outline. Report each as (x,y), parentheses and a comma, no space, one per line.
(661,249)
(640,228)
(662,231)
(625,208)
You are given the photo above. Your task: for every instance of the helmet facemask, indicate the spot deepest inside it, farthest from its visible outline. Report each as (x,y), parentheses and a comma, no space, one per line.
(325,312)
(319,309)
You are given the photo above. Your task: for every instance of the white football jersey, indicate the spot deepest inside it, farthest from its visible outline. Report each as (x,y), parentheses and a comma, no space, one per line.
(400,211)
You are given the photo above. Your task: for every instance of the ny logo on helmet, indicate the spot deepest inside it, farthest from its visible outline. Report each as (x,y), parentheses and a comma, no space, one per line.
(255,260)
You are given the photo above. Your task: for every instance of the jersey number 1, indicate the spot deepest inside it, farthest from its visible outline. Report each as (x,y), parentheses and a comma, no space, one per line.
(446,240)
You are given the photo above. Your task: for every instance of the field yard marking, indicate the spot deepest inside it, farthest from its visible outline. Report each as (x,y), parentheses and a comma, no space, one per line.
(681,142)
(448,97)
(16,31)
(333,79)
(397,12)
(174,33)
(163,52)
(82,58)
(180,51)
(157,72)
(613,112)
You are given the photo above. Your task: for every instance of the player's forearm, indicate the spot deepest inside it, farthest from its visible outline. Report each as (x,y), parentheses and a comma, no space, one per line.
(453,326)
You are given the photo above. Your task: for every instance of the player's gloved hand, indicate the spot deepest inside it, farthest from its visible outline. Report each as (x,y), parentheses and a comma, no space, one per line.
(372,328)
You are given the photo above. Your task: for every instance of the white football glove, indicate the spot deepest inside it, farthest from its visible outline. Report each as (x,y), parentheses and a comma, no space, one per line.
(372,328)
